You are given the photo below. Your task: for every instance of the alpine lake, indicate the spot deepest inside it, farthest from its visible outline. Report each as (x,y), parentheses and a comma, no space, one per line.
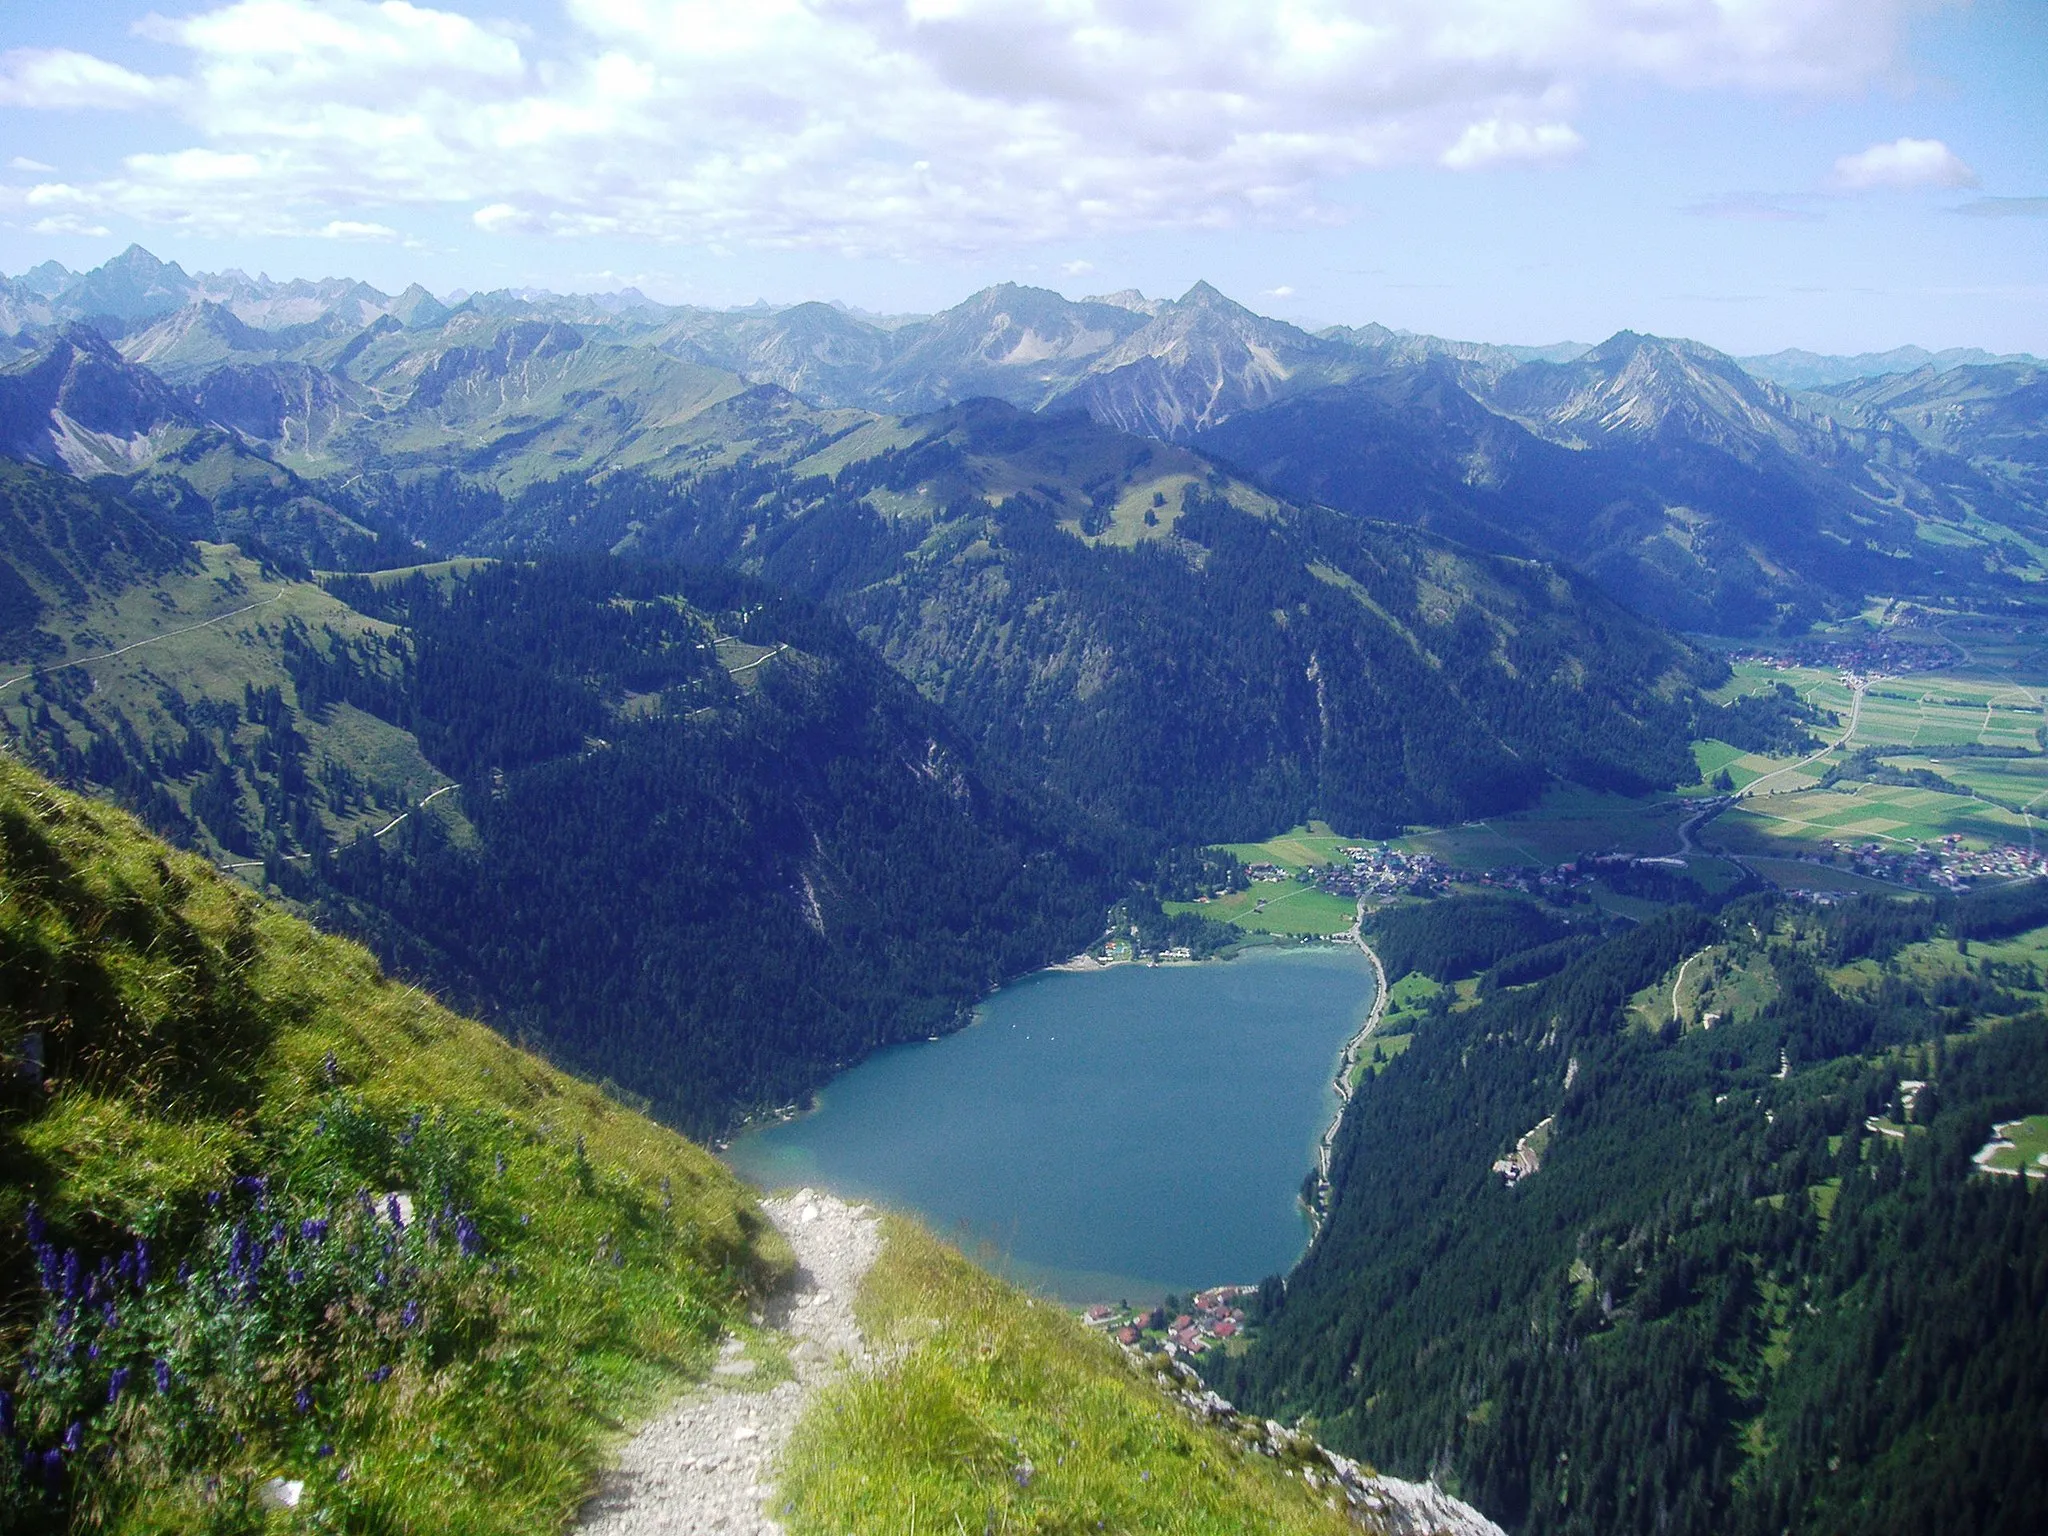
(1100,1136)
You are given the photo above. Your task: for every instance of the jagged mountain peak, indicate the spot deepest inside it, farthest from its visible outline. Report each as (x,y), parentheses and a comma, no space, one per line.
(1633,386)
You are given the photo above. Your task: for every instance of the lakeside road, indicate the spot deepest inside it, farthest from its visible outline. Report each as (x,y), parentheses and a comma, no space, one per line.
(1346,1065)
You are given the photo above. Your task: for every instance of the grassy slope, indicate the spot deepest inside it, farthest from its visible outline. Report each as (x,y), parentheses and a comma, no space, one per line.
(182,648)
(1000,1416)
(464,1373)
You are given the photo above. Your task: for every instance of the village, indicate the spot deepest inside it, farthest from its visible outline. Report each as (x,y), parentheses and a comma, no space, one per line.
(1182,1328)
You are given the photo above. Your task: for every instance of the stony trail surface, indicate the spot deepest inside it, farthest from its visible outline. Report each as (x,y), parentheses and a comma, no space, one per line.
(707,1464)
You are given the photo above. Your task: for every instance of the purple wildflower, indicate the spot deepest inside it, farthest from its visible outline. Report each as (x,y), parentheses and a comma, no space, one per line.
(71,1275)
(391,1209)
(163,1376)
(467,1238)
(410,1317)
(325,1451)
(302,1401)
(142,1261)
(330,1068)
(74,1438)
(380,1374)
(93,1353)
(53,1468)
(313,1230)
(294,1276)
(6,1413)
(117,1384)
(501,1164)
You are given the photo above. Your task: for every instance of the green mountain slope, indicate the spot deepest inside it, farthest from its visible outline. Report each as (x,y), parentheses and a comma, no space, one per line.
(210,1113)
(1170,648)
(1747,1276)
(686,833)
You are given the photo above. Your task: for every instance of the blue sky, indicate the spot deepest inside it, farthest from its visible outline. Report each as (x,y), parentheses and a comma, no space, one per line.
(1841,175)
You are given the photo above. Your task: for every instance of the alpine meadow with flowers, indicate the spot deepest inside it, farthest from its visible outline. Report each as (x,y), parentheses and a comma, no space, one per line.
(286,1236)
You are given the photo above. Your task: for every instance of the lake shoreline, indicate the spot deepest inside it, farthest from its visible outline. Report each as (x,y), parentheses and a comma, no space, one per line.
(1347,1063)
(1054,1131)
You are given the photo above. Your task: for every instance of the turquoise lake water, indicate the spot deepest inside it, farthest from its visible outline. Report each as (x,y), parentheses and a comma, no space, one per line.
(1122,1133)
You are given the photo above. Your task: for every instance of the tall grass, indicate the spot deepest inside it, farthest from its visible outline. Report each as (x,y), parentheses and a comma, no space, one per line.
(210,1286)
(1002,1415)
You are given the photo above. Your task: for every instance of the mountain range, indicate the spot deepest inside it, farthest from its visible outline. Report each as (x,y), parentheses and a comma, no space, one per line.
(1690,486)
(712,698)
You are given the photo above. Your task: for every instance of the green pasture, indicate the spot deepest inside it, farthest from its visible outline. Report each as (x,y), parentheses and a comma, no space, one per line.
(1569,821)
(1943,710)
(1378,1055)
(208,633)
(2014,780)
(1854,812)
(1289,906)
(2029,1149)
(1798,875)
(1306,847)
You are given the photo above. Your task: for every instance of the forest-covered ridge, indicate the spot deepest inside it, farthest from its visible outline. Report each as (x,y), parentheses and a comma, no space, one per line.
(1755,1281)
(508,777)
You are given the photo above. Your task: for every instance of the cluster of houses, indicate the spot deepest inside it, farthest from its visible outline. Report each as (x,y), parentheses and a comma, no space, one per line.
(1945,864)
(1863,656)
(1209,1318)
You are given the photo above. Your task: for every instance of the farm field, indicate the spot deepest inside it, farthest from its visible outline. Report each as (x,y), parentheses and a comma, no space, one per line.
(1799,875)
(1304,848)
(1289,907)
(1568,822)
(1853,812)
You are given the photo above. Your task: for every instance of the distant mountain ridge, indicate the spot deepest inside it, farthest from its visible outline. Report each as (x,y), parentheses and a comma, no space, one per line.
(1797,369)
(1694,488)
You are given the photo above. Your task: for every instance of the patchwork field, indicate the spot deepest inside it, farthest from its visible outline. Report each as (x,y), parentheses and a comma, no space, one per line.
(1853,812)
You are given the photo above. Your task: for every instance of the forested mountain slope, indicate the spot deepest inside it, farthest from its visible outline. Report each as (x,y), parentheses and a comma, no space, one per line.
(1686,488)
(1170,648)
(1754,1280)
(679,829)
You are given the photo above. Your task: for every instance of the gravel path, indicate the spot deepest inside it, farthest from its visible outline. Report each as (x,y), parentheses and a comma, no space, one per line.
(707,1464)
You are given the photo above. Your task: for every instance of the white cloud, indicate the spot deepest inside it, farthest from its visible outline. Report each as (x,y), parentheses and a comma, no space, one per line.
(356,229)
(23,163)
(69,224)
(1282,292)
(1077,268)
(896,126)
(59,77)
(1494,141)
(1904,163)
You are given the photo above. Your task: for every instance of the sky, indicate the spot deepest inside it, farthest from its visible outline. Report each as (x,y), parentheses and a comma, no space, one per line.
(1838,175)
